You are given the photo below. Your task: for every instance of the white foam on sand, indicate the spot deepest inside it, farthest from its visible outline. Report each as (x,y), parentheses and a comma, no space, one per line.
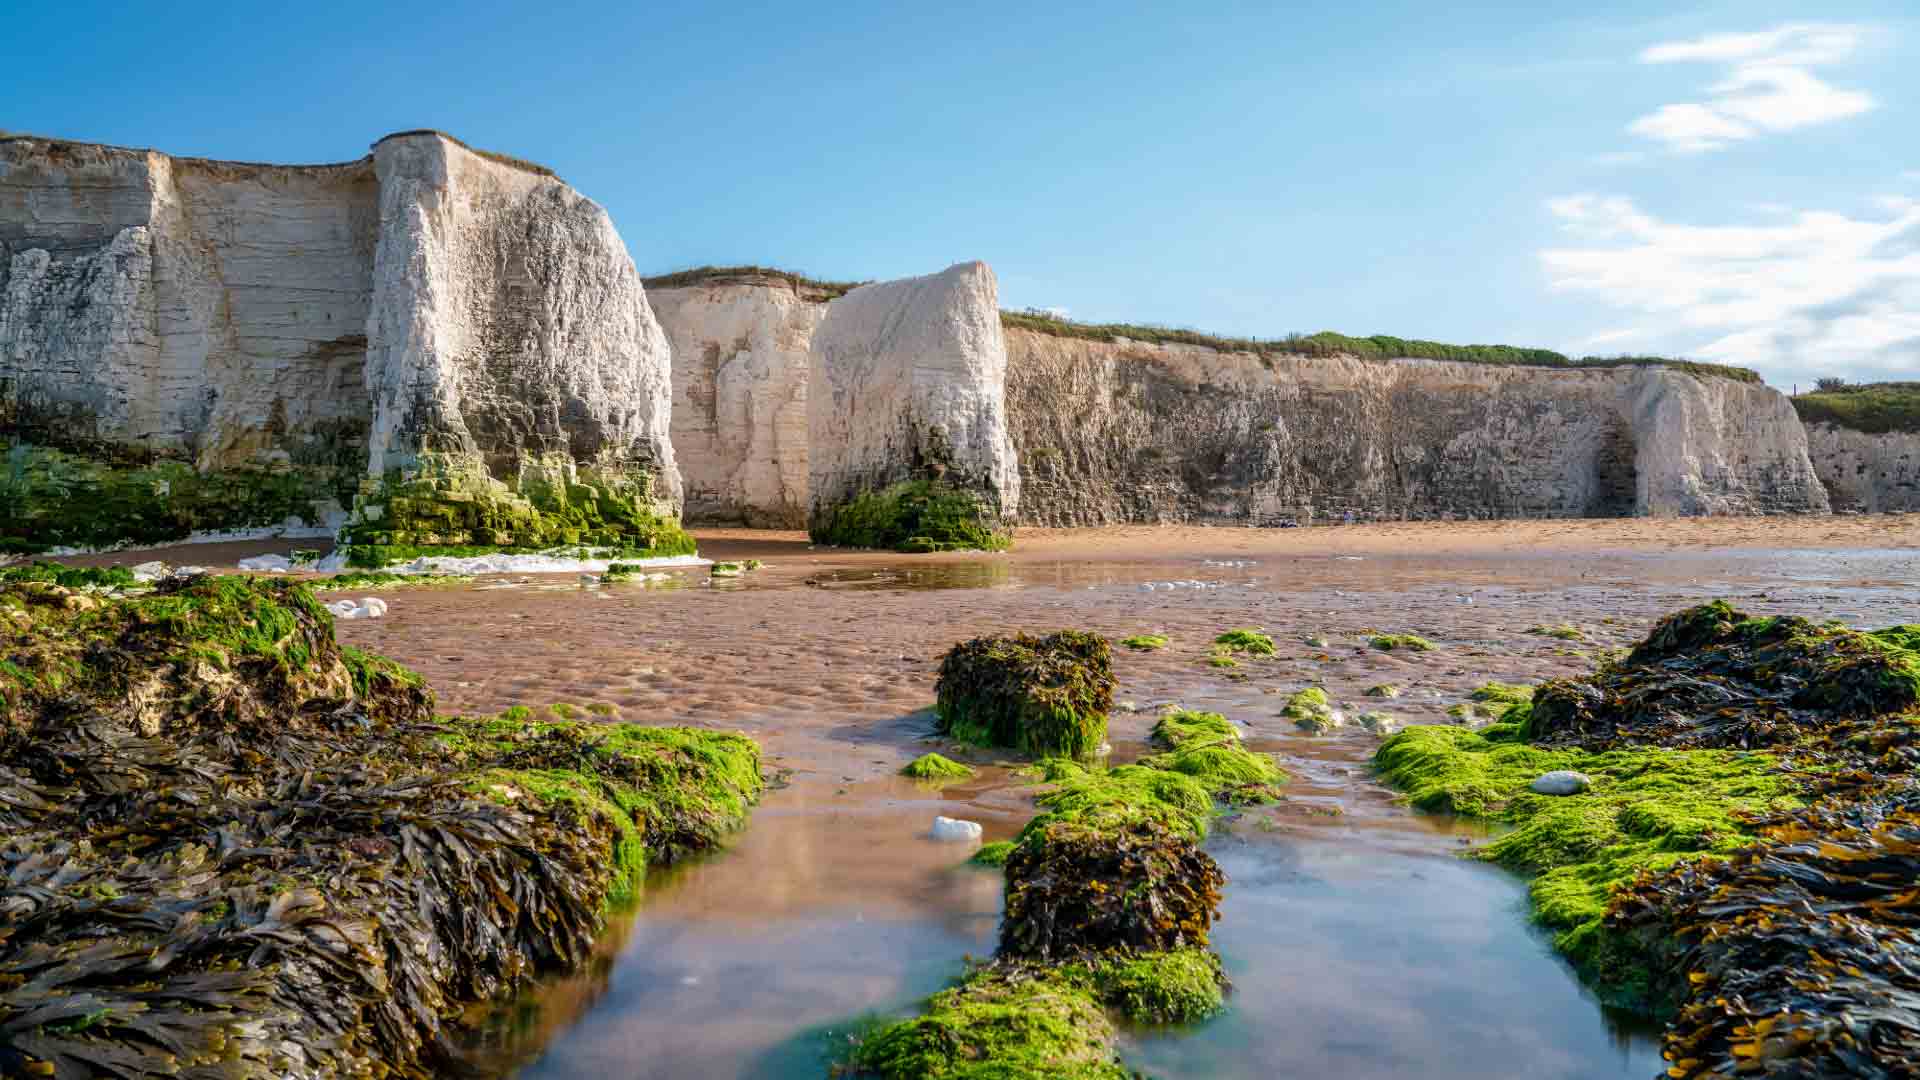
(559,561)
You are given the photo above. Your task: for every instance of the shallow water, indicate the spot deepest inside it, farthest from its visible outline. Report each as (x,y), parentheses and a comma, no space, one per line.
(1359,945)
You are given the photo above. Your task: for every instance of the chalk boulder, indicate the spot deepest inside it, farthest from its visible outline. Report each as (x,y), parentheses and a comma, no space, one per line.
(1561,782)
(906,382)
(954,830)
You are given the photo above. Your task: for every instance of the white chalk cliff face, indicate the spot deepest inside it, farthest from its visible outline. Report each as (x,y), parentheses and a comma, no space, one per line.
(508,321)
(740,362)
(209,345)
(1115,432)
(1867,471)
(907,381)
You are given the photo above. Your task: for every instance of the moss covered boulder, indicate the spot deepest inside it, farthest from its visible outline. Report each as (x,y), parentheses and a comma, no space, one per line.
(239,849)
(1042,695)
(912,516)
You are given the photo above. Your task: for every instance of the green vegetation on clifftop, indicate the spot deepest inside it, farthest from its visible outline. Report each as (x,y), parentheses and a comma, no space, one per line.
(1874,408)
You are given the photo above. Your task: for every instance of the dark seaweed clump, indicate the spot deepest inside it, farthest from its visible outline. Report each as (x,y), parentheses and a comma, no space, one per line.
(1043,695)
(1712,676)
(914,516)
(230,847)
(1781,935)
(1074,891)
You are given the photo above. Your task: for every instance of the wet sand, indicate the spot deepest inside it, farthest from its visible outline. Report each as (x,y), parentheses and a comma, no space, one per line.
(1360,945)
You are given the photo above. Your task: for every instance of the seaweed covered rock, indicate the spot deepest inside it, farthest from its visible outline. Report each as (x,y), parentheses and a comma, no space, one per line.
(1073,891)
(1043,695)
(234,848)
(1206,746)
(1713,676)
(1802,954)
(1008,1021)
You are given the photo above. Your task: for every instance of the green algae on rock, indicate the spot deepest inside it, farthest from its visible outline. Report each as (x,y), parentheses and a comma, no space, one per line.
(70,577)
(914,516)
(1311,711)
(1041,695)
(1206,746)
(452,504)
(992,854)
(1382,690)
(55,498)
(1145,642)
(240,849)
(936,767)
(1390,642)
(1011,1023)
(1246,640)
(1695,879)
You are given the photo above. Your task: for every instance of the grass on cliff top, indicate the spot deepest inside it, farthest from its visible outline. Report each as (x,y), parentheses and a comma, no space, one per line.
(1376,347)
(752,275)
(1875,408)
(1648,809)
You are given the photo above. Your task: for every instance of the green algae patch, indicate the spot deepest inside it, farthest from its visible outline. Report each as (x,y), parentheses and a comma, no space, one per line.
(1040,695)
(52,498)
(202,774)
(913,516)
(993,854)
(1562,632)
(452,504)
(1245,640)
(734,569)
(382,580)
(70,577)
(1221,658)
(1382,690)
(1311,711)
(1145,642)
(1182,986)
(1499,693)
(1400,642)
(1111,798)
(998,1024)
(1379,723)
(936,767)
(1648,810)
(1206,746)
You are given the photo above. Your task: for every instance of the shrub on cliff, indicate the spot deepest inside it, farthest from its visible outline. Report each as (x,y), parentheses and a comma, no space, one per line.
(1875,408)
(915,516)
(237,848)
(1043,695)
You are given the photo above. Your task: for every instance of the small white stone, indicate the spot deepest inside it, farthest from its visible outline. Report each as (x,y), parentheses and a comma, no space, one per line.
(344,609)
(1562,782)
(953,829)
(372,607)
(150,571)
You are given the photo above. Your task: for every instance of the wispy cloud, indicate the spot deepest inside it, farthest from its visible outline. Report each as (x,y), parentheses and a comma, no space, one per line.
(1768,85)
(1819,293)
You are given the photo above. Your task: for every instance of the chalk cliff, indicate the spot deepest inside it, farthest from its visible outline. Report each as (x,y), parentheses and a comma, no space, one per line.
(1112,432)
(1874,472)
(191,345)
(741,348)
(906,383)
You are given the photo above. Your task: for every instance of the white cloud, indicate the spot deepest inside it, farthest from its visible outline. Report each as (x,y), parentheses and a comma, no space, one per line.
(1819,293)
(1768,86)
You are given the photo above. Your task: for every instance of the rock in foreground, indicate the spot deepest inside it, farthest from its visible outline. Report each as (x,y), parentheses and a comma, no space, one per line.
(1043,695)
(235,848)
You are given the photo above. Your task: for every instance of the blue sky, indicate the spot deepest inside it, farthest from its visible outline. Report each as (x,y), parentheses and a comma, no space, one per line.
(1737,182)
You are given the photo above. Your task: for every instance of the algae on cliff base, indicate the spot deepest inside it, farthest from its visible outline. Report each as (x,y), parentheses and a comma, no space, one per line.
(913,516)
(239,847)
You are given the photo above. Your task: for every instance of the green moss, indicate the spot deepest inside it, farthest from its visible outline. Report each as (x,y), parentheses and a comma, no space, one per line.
(1106,799)
(912,516)
(1311,711)
(993,854)
(1031,1025)
(51,498)
(1146,642)
(378,580)
(1182,986)
(1390,642)
(1500,693)
(1222,660)
(451,504)
(1246,640)
(70,577)
(1206,746)
(1648,809)
(370,670)
(935,767)
(1041,695)
(1564,632)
